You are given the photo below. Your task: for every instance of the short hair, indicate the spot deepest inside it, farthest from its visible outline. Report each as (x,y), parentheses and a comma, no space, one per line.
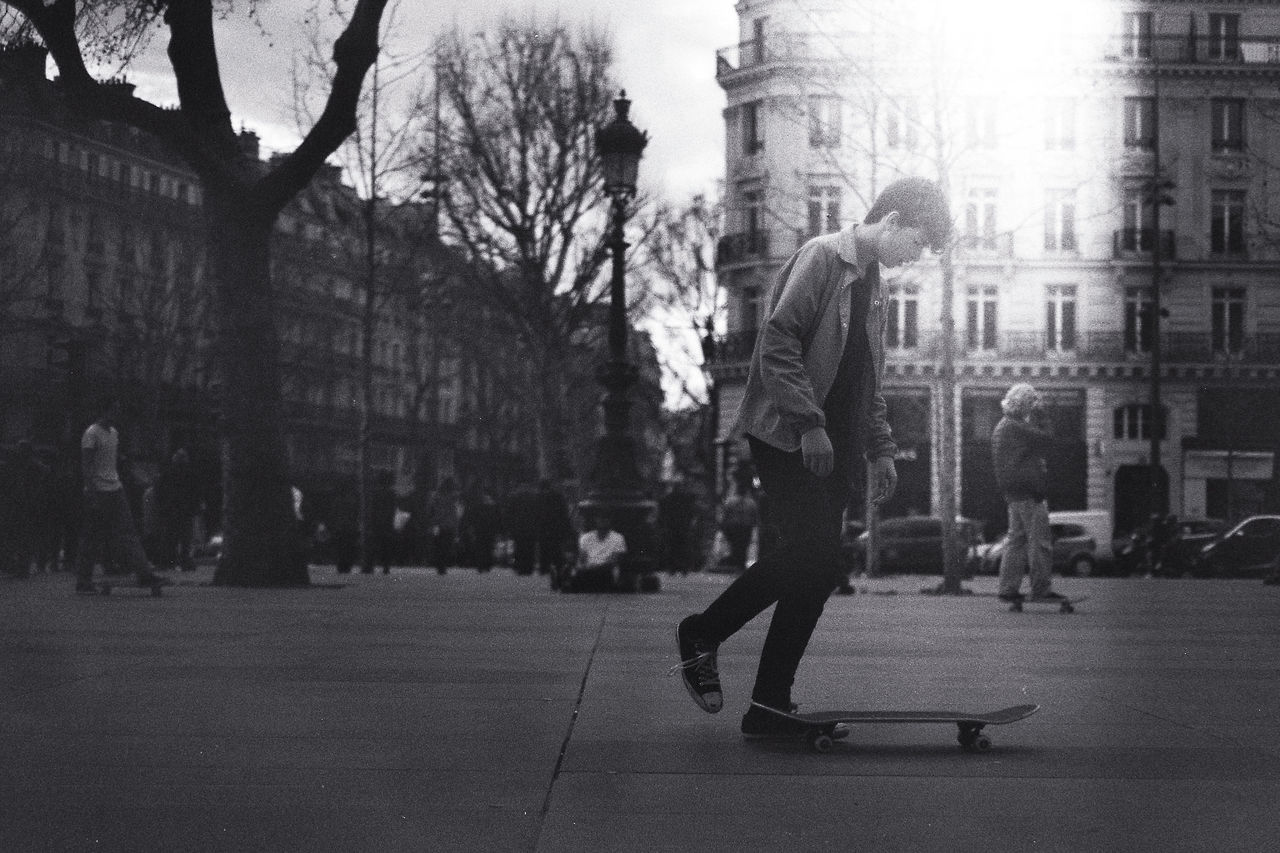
(920,203)
(1019,400)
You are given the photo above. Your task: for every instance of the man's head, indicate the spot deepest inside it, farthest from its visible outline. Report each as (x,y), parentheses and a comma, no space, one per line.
(908,215)
(603,523)
(1020,400)
(108,409)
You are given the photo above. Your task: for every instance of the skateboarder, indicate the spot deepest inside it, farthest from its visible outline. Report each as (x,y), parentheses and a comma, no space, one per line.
(812,406)
(107,531)
(1019,448)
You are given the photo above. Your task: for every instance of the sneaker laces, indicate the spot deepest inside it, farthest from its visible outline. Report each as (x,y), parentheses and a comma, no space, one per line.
(703,665)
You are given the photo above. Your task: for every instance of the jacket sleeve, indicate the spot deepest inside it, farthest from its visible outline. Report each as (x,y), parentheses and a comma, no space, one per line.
(782,343)
(879,434)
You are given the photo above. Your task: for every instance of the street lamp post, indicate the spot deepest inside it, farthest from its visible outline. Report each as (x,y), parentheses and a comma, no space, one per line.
(616,485)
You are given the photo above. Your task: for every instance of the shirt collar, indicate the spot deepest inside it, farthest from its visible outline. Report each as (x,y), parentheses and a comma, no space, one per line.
(848,250)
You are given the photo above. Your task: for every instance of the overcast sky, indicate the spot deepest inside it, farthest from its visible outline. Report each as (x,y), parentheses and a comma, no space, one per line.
(665,59)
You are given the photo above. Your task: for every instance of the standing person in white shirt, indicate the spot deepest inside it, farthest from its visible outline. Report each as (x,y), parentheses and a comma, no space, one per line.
(107,526)
(600,551)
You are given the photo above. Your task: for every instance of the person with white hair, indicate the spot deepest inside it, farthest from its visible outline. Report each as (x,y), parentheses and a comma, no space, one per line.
(1019,448)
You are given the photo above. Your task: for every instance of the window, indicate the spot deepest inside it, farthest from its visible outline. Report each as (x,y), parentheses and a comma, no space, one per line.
(1136,43)
(1227,318)
(902,324)
(1137,319)
(980,219)
(756,53)
(1228,124)
(1224,36)
(1136,235)
(981,317)
(1133,422)
(1060,317)
(1140,123)
(980,119)
(1226,222)
(824,210)
(56,231)
(1060,221)
(751,309)
(902,125)
(752,139)
(825,125)
(753,217)
(96,245)
(1060,124)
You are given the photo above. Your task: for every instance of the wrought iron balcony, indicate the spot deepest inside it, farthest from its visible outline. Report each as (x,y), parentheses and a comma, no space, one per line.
(732,348)
(1194,49)
(1141,241)
(741,248)
(777,47)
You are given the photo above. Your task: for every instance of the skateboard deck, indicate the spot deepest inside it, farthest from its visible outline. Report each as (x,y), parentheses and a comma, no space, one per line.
(969,724)
(1064,605)
(105,587)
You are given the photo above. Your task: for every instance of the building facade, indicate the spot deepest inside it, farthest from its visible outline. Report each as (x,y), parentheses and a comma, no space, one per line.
(1059,151)
(101,289)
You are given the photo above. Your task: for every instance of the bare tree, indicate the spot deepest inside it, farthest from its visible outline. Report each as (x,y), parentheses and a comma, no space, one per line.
(377,157)
(242,199)
(523,194)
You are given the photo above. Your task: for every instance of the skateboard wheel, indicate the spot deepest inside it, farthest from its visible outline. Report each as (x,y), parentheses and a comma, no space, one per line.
(983,743)
(1016,607)
(820,742)
(1067,608)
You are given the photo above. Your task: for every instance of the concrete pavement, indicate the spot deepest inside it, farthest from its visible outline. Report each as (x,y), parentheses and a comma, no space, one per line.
(417,712)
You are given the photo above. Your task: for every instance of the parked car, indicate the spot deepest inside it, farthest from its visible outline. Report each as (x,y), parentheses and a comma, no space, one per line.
(1181,552)
(913,544)
(1250,549)
(1074,551)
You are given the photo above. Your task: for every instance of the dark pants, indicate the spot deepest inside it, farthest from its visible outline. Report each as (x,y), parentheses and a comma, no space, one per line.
(799,575)
(739,538)
(107,533)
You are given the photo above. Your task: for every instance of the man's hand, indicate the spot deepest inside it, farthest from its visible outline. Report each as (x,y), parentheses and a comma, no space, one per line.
(819,457)
(883,477)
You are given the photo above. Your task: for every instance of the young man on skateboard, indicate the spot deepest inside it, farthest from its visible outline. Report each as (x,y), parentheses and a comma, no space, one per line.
(812,407)
(1020,448)
(107,529)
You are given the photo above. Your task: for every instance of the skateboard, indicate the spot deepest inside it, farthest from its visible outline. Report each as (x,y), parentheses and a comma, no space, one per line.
(969,725)
(105,587)
(1064,605)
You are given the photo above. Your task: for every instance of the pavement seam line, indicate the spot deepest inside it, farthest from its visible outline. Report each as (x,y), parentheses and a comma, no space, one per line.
(568,735)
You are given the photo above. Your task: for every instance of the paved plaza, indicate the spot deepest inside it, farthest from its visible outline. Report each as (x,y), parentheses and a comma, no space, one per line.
(418,712)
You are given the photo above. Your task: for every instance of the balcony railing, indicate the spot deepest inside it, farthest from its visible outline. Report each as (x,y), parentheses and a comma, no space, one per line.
(776,47)
(1081,346)
(733,348)
(1195,49)
(741,248)
(1141,241)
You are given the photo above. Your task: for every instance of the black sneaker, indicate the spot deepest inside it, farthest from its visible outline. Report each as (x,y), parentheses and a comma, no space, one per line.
(698,668)
(762,722)
(1011,596)
(86,588)
(1049,596)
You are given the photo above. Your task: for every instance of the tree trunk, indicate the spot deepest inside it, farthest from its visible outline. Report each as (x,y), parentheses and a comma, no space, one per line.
(262,547)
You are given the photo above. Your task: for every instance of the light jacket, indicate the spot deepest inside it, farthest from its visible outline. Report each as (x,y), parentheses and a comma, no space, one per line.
(800,345)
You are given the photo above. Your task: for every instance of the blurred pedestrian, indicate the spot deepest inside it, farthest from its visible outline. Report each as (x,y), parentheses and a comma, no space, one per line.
(554,528)
(177,502)
(444,511)
(1020,446)
(522,526)
(380,528)
(480,523)
(676,518)
(344,527)
(598,566)
(738,519)
(28,483)
(107,530)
